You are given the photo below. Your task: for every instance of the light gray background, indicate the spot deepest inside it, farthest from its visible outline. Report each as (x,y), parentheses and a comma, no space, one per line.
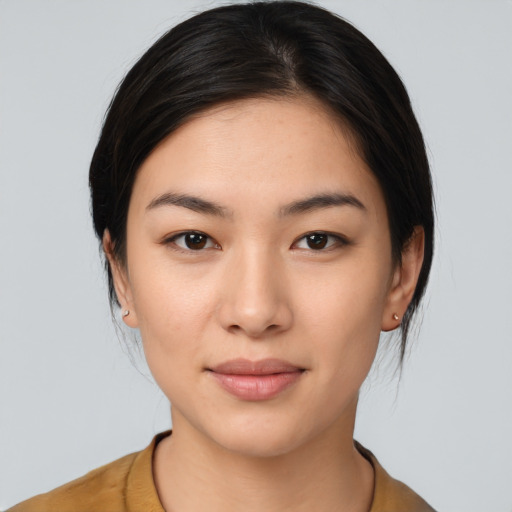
(70,400)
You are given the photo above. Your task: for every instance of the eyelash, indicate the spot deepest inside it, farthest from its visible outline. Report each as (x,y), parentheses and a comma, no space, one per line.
(340,241)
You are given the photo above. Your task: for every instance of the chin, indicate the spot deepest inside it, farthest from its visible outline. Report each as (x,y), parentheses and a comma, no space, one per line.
(259,437)
(259,444)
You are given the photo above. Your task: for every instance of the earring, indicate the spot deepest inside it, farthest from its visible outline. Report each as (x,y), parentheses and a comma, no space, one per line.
(395,317)
(126,312)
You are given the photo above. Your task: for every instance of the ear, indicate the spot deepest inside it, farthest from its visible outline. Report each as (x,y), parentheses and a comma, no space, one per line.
(121,282)
(405,278)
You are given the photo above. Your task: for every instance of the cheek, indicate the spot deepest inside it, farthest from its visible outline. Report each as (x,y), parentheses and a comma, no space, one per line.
(348,299)
(172,316)
(164,293)
(342,316)
(173,307)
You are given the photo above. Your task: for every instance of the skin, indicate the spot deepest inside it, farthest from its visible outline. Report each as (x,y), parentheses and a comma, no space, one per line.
(257,290)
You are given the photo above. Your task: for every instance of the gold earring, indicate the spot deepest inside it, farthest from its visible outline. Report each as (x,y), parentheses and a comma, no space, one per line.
(126,312)
(395,317)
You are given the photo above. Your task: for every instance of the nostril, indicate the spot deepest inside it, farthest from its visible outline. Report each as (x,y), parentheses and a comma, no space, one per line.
(256,332)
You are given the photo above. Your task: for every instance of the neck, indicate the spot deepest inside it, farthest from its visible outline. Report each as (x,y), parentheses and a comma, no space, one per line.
(324,474)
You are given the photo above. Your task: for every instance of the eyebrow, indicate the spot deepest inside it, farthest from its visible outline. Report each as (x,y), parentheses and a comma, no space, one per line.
(320,201)
(205,207)
(191,202)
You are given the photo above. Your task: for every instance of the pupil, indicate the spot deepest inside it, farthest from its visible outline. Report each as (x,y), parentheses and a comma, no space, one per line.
(317,241)
(195,241)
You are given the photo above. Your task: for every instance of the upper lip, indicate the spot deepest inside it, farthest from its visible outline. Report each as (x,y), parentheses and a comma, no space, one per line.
(262,367)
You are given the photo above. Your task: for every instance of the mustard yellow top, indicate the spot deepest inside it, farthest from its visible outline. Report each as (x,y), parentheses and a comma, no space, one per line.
(126,485)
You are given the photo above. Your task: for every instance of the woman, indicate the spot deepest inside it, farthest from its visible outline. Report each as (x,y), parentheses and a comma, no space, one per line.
(263,198)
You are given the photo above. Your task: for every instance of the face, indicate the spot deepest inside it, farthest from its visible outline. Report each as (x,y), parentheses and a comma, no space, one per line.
(259,273)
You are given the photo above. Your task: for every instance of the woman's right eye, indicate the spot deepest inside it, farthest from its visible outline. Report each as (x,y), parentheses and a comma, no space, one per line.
(188,241)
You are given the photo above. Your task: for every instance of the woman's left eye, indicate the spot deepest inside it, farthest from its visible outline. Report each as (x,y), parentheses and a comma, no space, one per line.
(318,241)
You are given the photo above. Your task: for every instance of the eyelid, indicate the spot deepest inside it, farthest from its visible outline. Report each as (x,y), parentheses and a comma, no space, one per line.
(171,241)
(340,241)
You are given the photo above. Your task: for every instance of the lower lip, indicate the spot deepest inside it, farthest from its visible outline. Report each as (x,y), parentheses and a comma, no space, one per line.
(257,387)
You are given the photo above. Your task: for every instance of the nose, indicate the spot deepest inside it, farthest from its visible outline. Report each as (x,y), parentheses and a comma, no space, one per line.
(254,296)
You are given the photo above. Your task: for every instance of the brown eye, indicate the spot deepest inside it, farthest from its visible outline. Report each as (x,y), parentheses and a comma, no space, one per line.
(318,241)
(195,241)
(192,241)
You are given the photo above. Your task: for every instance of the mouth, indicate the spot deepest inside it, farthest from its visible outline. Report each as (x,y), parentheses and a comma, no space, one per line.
(256,380)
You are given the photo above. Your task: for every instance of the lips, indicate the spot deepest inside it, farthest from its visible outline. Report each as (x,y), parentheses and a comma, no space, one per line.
(256,380)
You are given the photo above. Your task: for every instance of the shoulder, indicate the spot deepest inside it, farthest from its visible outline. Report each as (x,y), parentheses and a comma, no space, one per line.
(103,487)
(123,485)
(391,495)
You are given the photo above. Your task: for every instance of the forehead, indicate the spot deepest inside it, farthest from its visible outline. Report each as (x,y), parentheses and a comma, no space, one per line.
(249,150)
